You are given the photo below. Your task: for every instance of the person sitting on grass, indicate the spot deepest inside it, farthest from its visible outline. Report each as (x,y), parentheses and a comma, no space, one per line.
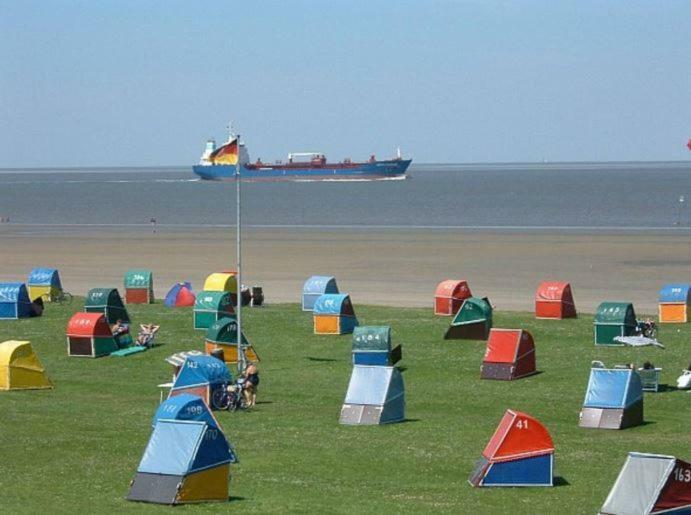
(120,328)
(146,335)
(249,387)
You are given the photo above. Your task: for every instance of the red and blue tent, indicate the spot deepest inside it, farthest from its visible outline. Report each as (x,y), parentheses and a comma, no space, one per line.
(180,295)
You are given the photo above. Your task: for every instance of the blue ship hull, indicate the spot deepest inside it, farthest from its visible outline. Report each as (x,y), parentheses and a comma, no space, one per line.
(375,170)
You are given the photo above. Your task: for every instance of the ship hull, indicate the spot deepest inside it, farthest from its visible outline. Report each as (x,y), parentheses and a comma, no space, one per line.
(376,170)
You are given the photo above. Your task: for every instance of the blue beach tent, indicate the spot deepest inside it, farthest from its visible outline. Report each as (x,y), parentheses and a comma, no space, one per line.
(674,302)
(372,346)
(44,282)
(185,407)
(14,301)
(376,395)
(316,286)
(333,313)
(201,375)
(613,400)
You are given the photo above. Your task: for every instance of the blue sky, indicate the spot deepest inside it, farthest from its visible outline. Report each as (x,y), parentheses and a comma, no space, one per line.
(119,83)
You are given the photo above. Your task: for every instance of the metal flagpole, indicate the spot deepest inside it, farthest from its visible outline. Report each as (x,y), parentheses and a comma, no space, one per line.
(238,245)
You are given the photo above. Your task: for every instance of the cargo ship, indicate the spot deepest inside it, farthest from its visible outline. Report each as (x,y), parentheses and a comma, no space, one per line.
(224,162)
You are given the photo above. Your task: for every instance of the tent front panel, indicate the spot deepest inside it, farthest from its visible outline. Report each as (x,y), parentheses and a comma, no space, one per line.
(351,414)
(673,313)
(155,488)
(475,331)
(376,358)
(138,296)
(637,486)
(205,486)
(46,293)
(502,345)
(172,447)
(499,371)
(368,385)
(535,471)
(676,494)
(612,418)
(607,388)
(472,311)
(213,450)
(605,333)
(554,299)
(334,324)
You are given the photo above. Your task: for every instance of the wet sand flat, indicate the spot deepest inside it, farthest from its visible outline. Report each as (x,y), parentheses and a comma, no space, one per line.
(397,267)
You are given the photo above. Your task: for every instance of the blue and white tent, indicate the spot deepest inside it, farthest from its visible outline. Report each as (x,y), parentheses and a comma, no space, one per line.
(376,395)
(674,302)
(676,293)
(316,286)
(613,400)
(334,314)
(14,301)
(44,277)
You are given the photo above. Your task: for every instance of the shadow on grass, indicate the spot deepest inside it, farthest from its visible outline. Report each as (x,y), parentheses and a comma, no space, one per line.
(405,421)
(560,481)
(322,359)
(232,498)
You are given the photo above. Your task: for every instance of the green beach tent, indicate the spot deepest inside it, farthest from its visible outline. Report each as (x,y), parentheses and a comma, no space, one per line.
(211,306)
(223,334)
(108,302)
(139,287)
(472,322)
(372,346)
(613,319)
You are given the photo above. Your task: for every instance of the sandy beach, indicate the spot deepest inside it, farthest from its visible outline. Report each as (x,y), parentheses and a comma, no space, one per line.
(397,267)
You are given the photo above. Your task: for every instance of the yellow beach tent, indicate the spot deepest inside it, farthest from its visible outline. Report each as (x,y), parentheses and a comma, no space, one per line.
(223,281)
(20,368)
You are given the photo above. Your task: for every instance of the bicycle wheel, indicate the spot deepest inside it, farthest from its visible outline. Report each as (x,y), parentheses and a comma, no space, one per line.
(66,298)
(220,399)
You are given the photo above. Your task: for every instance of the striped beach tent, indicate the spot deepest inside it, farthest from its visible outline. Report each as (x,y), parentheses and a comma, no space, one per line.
(45,283)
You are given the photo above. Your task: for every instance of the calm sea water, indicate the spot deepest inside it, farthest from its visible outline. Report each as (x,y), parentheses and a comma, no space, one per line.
(597,195)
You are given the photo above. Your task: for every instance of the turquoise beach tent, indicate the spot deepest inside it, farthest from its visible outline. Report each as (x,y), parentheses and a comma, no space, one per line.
(372,346)
(375,395)
(14,301)
(316,286)
(613,399)
(185,407)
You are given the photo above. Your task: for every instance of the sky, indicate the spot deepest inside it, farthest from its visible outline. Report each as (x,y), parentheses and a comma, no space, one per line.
(145,83)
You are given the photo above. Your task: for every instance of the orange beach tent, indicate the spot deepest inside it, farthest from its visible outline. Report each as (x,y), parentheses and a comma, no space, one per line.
(449,296)
(553,299)
(510,355)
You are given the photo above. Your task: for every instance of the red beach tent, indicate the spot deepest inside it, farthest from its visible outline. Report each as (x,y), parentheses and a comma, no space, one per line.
(449,296)
(510,354)
(553,299)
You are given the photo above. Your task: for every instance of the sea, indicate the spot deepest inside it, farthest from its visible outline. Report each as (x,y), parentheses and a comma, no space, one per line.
(636,196)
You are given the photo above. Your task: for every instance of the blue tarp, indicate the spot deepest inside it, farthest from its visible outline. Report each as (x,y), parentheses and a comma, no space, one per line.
(14,301)
(331,304)
(172,295)
(613,388)
(178,448)
(378,386)
(314,287)
(45,277)
(202,370)
(185,407)
(528,471)
(678,293)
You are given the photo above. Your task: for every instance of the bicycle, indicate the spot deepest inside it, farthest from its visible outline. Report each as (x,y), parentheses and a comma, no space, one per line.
(229,397)
(62,297)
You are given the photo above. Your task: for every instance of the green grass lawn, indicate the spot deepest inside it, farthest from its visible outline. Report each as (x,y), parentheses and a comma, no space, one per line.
(76,448)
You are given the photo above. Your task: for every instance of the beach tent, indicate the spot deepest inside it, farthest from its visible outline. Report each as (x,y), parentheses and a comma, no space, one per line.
(650,483)
(224,282)
(14,301)
(520,453)
(613,400)
(211,306)
(449,296)
(510,354)
(372,346)
(375,396)
(44,282)
(674,302)
(315,287)
(472,322)
(139,287)
(89,335)
(554,300)
(201,375)
(180,295)
(187,458)
(223,334)
(108,302)
(20,368)
(613,319)
(333,314)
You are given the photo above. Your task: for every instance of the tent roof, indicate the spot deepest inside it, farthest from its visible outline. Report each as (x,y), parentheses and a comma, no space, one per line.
(172,447)
(676,293)
(639,484)
(138,278)
(13,292)
(371,337)
(551,290)
(88,324)
(508,345)
(214,300)
(44,277)
(221,281)
(473,309)
(333,304)
(202,370)
(176,291)
(453,288)
(320,284)
(613,388)
(615,313)
(373,384)
(185,407)
(518,435)
(225,330)
(97,297)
